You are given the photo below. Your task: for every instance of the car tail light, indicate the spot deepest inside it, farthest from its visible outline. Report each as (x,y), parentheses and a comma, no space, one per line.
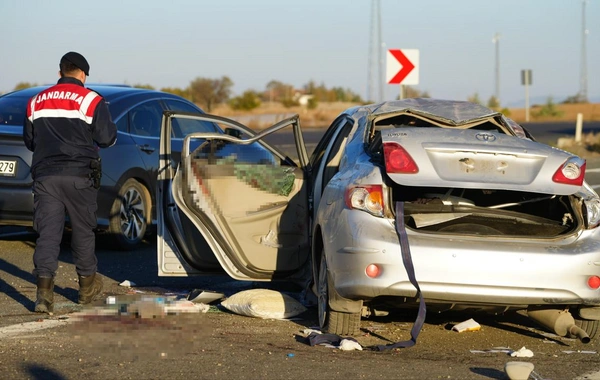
(397,159)
(592,211)
(594,282)
(368,198)
(571,172)
(373,270)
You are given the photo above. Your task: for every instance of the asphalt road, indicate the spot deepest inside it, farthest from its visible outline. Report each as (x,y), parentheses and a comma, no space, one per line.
(222,345)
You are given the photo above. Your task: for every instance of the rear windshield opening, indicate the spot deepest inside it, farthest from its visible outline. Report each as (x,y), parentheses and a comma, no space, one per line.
(12,111)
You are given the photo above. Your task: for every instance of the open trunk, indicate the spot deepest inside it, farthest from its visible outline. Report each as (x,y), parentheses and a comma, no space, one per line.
(477,176)
(500,213)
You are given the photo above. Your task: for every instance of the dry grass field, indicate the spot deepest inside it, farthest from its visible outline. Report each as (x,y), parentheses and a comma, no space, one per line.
(590,112)
(325,113)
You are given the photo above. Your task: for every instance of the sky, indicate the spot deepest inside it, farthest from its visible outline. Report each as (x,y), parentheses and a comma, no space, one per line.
(170,43)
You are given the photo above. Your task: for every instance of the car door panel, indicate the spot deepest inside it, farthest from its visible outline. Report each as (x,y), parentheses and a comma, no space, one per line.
(253,215)
(263,223)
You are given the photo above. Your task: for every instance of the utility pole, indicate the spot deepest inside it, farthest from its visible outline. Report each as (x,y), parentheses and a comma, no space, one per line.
(583,91)
(496,41)
(375,81)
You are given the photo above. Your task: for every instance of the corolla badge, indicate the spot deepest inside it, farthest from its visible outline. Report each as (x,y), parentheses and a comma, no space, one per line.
(487,137)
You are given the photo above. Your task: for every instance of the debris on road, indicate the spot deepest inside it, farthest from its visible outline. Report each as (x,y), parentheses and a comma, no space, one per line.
(127,284)
(144,306)
(204,296)
(468,325)
(518,370)
(263,303)
(307,332)
(504,350)
(153,307)
(580,352)
(316,338)
(522,353)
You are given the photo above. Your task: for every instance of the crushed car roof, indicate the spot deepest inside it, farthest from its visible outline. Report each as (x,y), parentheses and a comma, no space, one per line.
(451,112)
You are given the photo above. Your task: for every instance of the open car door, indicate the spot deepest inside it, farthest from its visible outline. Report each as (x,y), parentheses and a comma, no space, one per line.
(233,203)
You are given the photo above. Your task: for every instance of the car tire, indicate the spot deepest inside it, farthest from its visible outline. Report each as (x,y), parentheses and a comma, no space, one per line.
(591,327)
(130,215)
(331,321)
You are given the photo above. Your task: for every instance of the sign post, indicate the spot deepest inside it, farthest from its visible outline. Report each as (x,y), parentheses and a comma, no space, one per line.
(402,67)
(526,80)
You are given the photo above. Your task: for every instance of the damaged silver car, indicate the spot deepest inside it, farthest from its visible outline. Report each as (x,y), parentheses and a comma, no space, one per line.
(492,220)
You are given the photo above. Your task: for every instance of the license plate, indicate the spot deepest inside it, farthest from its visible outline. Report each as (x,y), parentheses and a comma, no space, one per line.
(8,168)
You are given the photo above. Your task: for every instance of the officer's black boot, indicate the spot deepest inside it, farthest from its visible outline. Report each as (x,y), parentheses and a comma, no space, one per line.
(89,287)
(44,302)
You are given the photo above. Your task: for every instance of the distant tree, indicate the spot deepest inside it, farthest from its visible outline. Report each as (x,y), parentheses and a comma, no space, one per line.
(474,98)
(575,99)
(548,110)
(184,93)
(23,85)
(335,94)
(209,92)
(312,103)
(346,95)
(277,91)
(289,102)
(411,92)
(146,86)
(493,102)
(249,100)
(320,92)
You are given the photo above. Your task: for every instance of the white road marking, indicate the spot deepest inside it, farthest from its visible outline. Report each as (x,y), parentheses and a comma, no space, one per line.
(595,170)
(28,327)
(589,376)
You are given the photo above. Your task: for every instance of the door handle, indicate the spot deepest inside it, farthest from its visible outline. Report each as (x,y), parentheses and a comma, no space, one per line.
(147,148)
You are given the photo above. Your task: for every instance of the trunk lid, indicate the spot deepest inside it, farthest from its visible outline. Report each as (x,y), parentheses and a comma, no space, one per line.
(479,159)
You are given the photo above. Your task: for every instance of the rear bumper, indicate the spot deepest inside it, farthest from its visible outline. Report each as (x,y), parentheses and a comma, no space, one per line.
(16,206)
(462,270)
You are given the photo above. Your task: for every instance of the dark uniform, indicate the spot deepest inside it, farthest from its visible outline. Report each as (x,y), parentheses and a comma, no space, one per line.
(66,124)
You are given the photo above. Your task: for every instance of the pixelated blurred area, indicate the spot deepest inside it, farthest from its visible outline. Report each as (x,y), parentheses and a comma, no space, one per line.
(267,177)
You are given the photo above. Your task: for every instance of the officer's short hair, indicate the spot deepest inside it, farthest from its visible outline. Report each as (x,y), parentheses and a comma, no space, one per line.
(68,68)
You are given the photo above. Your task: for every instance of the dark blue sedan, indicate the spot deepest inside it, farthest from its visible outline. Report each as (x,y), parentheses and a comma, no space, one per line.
(129,169)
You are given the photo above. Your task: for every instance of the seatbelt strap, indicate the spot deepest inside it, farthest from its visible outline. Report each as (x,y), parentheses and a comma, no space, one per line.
(410,270)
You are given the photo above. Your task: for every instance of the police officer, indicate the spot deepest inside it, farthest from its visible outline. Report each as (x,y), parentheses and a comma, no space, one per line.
(65,126)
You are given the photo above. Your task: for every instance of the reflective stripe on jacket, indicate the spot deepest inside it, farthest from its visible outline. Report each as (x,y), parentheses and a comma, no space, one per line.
(65,125)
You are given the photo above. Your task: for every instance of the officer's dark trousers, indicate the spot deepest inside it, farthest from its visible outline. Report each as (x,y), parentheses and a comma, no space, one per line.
(53,196)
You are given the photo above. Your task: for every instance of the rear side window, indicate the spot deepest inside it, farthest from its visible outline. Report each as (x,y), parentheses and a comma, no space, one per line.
(183,127)
(12,110)
(144,120)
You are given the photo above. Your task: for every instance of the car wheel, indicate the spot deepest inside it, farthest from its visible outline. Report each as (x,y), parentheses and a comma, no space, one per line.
(130,214)
(332,321)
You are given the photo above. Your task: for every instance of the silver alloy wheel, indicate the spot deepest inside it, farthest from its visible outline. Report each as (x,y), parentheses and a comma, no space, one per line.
(132,214)
(322,291)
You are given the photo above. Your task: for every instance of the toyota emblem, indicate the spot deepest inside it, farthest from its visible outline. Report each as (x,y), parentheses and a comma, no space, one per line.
(487,137)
